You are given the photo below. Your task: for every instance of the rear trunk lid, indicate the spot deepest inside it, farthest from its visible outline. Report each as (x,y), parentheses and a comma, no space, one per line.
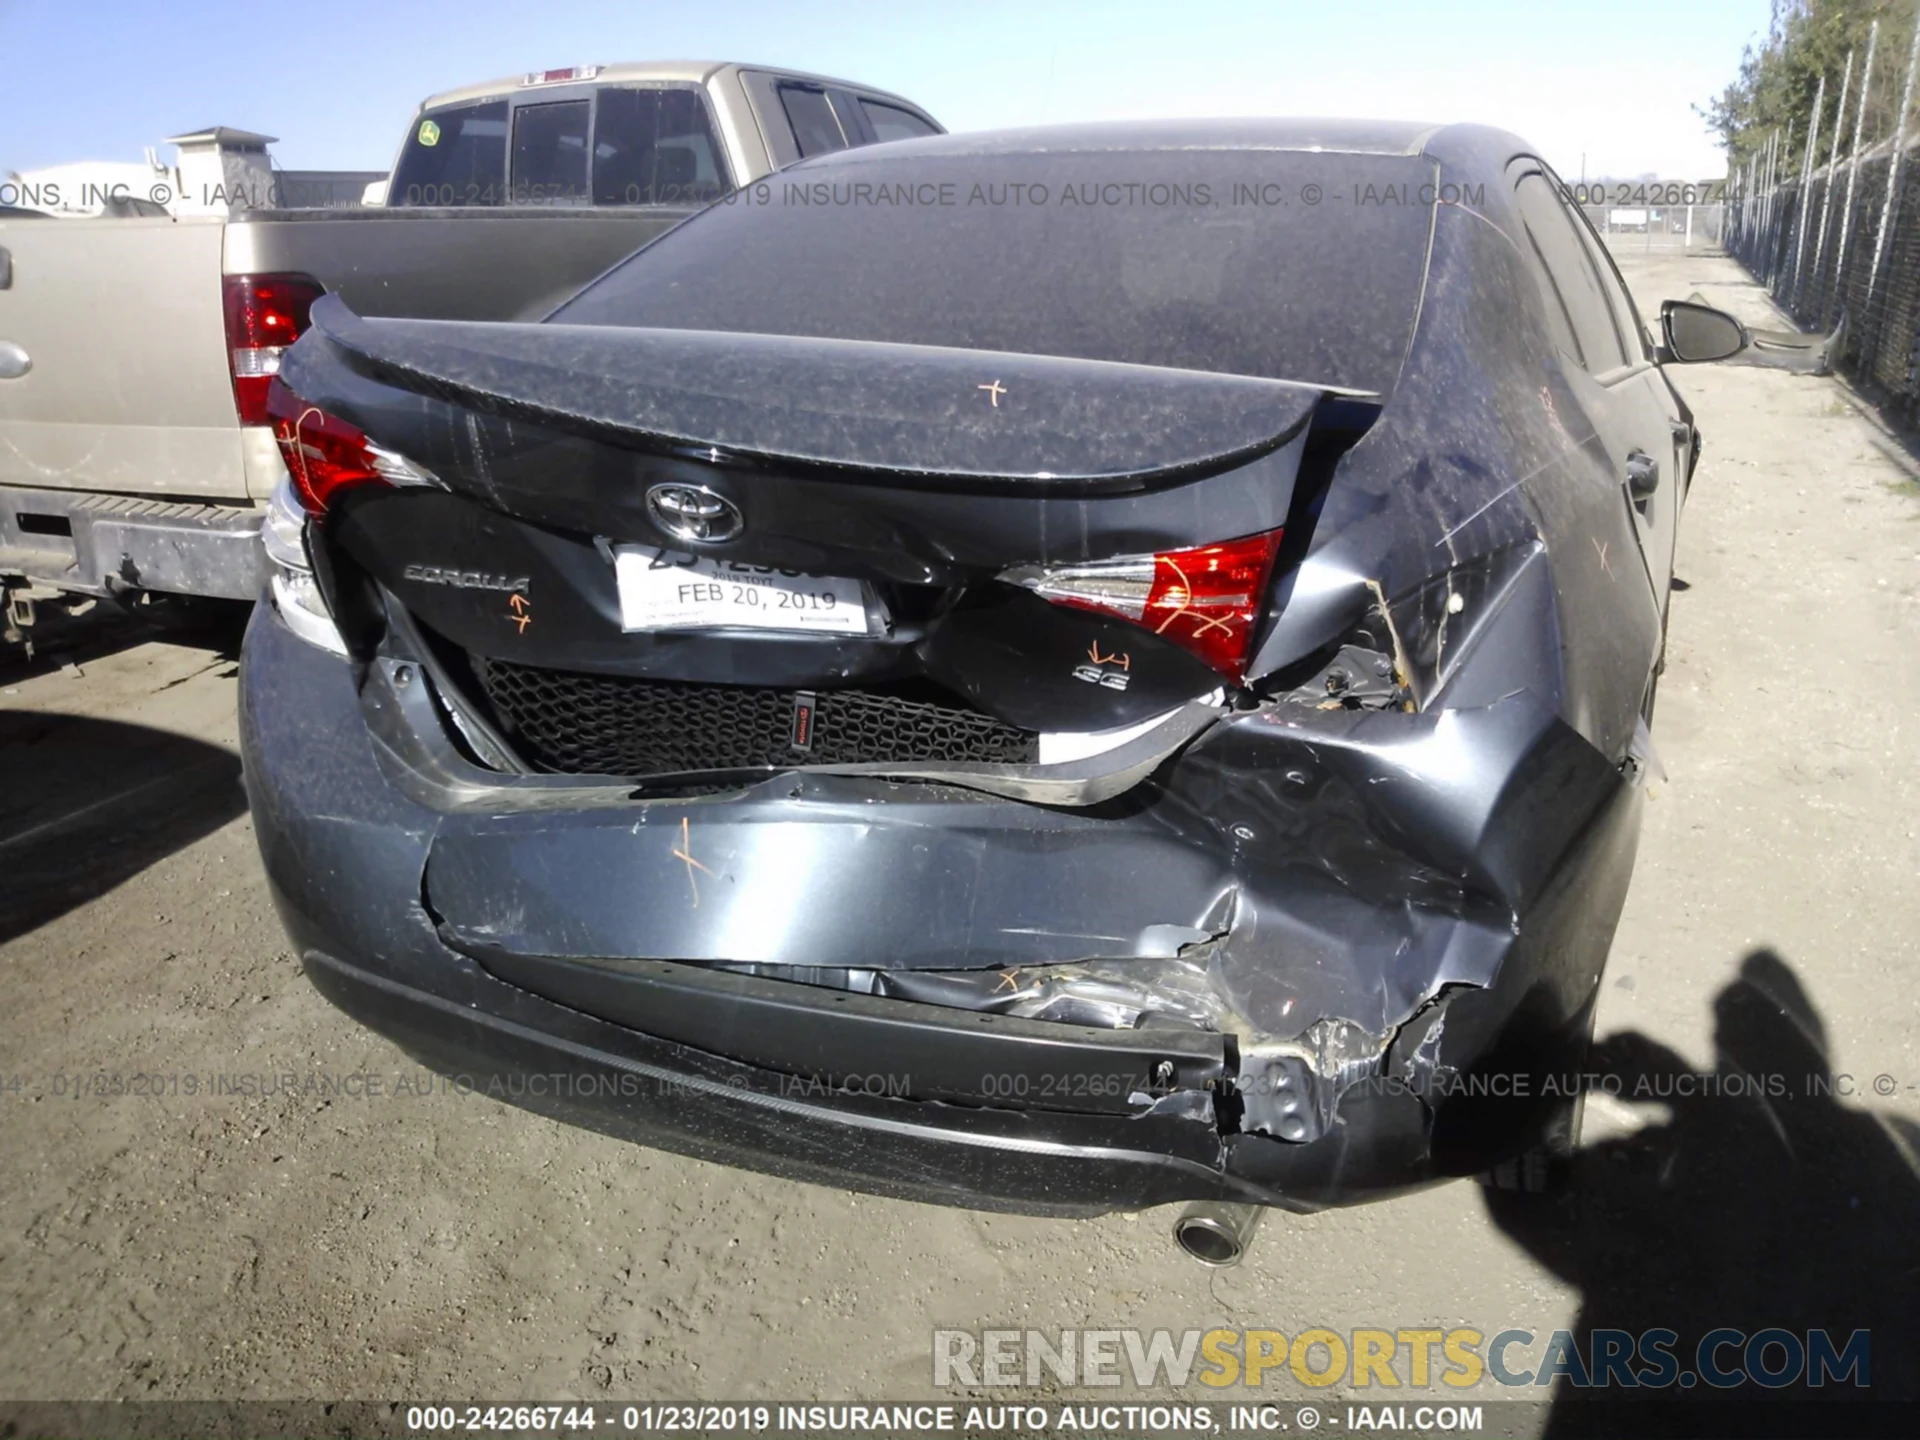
(595,487)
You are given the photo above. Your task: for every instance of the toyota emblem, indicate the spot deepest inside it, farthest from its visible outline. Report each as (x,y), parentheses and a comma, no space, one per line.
(694,513)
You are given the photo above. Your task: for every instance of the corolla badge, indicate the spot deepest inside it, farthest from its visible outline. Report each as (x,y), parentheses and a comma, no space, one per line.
(466,579)
(694,513)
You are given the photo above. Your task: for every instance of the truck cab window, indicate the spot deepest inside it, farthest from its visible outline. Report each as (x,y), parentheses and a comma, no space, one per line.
(890,122)
(655,147)
(815,127)
(550,153)
(455,156)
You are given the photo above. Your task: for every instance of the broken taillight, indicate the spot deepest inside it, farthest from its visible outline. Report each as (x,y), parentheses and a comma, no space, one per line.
(265,314)
(1206,599)
(324,454)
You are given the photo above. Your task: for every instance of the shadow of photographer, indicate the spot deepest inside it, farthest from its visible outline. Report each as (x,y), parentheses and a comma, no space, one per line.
(1764,1201)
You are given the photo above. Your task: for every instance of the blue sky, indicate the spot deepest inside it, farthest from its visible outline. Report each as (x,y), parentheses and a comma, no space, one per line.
(1614,80)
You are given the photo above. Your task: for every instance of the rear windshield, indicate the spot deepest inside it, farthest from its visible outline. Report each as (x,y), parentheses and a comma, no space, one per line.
(455,156)
(550,153)
(1288,265)
(649,146)
(655,147)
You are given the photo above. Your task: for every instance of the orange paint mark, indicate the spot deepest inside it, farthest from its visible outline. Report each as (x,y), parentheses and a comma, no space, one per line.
(685,852)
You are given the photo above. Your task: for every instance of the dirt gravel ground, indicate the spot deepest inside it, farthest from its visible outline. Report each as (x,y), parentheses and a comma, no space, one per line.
(448,1247)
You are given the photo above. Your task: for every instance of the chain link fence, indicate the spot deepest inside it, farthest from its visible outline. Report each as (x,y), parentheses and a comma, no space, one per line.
(1656,229)
(1830,224)
(1844,250)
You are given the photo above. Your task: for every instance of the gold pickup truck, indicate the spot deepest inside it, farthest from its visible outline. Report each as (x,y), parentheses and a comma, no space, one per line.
(135,454)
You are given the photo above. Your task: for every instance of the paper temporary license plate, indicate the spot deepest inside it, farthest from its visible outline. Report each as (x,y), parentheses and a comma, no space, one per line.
(683,592)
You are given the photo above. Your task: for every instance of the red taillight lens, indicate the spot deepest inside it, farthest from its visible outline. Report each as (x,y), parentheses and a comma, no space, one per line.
(324,454)
(1206,599)
(265,314)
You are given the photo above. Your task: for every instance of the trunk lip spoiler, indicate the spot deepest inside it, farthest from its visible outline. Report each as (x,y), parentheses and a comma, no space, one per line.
(853,408)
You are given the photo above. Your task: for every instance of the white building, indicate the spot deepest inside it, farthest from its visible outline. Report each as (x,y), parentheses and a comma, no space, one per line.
(218,171)
(85,187)
(222,171)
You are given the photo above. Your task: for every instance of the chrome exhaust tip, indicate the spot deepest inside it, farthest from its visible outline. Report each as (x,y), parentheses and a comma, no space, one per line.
(1217,1234)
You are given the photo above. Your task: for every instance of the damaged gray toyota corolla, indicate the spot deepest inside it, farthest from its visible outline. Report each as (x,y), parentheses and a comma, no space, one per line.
(1044,671)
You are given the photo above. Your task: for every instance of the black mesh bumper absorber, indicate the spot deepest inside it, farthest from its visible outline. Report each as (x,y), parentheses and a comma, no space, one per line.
(614,725)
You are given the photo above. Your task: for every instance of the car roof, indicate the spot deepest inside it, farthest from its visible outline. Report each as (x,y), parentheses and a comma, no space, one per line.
(660,71)
(1477,149)
(1336,136)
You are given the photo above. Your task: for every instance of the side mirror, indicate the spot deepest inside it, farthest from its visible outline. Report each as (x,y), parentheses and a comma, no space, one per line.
(1695,334)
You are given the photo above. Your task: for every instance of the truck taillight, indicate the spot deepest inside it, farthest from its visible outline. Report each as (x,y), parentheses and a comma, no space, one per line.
(1206,599)
(265,314)
(324,454)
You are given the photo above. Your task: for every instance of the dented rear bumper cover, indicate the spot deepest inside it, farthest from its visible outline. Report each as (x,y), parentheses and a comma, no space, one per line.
(1338,950)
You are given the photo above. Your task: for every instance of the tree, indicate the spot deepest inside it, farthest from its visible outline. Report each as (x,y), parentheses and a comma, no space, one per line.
(1805,40)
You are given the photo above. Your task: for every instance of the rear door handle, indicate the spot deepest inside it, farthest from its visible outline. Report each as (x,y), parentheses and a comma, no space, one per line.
(1643,475)
(6,268)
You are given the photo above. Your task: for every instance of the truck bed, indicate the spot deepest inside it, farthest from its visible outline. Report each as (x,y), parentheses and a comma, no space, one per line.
(131,349)
(122,459)
(462,263)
